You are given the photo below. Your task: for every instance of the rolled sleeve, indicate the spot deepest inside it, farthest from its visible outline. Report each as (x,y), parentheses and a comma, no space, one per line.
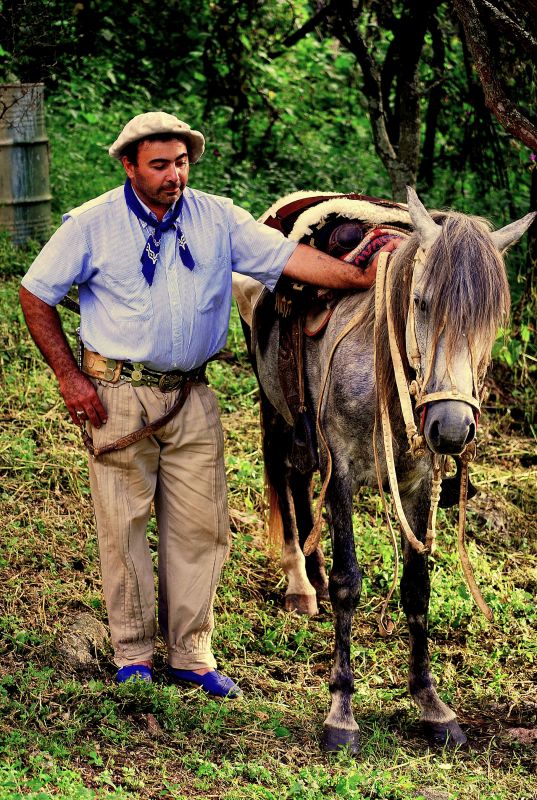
(257,250)
(62,262)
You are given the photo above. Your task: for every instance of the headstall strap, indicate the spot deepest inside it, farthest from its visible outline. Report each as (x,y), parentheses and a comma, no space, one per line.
(417,386)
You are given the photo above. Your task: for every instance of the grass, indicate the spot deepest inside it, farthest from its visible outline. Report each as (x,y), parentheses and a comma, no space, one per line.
(73,734)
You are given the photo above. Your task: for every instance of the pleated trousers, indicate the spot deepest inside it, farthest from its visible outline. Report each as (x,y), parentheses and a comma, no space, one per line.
(181,471)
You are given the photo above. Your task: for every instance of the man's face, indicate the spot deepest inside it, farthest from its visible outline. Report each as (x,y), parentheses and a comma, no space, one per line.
(161,173)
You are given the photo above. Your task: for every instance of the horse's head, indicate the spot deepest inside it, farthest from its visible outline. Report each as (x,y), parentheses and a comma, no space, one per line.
(457,299)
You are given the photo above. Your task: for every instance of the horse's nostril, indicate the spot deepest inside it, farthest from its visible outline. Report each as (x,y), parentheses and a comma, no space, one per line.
(434,433)
(471,433)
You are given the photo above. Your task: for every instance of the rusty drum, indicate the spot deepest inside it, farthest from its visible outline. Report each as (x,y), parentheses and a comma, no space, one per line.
(24,163)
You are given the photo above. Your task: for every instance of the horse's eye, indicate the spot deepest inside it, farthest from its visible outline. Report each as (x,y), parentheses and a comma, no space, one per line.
(416,301)
(423,305)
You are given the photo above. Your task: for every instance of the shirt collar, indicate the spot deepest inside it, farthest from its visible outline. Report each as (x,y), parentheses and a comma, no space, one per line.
(148,210)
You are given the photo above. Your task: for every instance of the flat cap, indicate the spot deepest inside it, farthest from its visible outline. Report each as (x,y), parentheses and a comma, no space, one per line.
(158,122)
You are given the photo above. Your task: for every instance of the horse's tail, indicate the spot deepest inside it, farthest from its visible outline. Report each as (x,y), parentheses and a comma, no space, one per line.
(274,521)
(273,514)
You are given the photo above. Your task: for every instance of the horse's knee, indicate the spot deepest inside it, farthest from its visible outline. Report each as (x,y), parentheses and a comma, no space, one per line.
(344,588)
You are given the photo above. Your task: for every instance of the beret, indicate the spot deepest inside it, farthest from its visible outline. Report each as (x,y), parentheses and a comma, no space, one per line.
(157,122)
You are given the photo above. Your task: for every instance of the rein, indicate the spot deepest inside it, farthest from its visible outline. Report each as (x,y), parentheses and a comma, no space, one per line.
(416,440)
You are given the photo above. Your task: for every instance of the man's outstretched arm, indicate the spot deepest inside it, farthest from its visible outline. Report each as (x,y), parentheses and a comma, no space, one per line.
(309,265)
(46,330)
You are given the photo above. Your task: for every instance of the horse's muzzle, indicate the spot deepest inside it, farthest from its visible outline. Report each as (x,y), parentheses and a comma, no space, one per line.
(449,425)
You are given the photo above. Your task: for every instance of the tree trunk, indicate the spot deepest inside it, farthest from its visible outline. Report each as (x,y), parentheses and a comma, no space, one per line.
(396,130)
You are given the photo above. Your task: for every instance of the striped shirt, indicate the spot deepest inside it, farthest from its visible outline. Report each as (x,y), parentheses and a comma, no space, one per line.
(182,319)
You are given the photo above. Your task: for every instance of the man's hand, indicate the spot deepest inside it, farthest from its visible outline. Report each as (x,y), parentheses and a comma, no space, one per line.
(82,400)
(77,391)
(371,269)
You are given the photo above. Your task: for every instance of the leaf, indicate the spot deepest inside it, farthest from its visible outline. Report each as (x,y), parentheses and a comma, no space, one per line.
(245,41)
(281,731)
(525,333)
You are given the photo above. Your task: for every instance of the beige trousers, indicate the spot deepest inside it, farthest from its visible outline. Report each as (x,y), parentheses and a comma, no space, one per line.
(181,469)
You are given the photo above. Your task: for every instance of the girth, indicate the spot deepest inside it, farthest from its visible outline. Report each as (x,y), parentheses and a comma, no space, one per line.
(290,365)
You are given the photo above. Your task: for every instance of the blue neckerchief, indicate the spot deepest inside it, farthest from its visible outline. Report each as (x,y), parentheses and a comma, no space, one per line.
(152,246)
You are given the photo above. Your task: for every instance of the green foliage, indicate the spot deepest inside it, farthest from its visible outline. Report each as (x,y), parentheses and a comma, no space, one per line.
(516,349)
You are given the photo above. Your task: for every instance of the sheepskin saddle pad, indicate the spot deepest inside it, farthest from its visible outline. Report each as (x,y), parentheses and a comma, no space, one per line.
(351,227)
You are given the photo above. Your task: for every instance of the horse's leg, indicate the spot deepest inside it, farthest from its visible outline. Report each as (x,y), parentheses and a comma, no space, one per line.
(315,563)
(277,437)
(438,720)
(300,595)
(345,583)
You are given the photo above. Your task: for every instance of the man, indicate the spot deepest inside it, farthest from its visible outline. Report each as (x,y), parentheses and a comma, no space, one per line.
(153,262)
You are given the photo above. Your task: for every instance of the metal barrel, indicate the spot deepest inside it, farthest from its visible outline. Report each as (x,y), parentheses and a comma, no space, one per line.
(24,163)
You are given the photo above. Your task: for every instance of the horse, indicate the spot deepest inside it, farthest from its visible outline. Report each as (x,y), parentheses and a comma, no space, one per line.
(449,294)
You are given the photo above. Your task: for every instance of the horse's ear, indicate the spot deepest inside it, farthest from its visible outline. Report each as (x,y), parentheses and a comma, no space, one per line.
(510,234)
(424,225)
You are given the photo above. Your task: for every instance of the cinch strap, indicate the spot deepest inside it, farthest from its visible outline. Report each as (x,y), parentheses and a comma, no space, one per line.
(151,250)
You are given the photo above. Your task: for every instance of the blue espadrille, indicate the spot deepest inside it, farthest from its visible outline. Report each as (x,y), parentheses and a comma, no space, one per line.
(214,683)
(134,672)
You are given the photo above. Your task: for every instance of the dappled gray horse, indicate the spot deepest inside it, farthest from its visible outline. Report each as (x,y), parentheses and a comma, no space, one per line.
(449,294)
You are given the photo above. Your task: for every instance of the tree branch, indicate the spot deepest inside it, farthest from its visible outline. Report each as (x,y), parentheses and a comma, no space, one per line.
(506,23)
(505,111)
(347,31)
(308,27)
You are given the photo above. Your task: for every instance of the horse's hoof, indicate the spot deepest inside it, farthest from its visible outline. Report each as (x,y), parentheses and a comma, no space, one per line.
(335,739)
(441,734)
(302,604)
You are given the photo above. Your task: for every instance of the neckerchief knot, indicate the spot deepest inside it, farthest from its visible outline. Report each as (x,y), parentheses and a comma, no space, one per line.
(151,250)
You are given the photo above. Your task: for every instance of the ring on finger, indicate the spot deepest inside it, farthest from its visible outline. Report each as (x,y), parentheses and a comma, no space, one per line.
(81,414)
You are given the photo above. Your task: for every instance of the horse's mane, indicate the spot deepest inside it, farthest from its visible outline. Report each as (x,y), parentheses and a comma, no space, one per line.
(466,285)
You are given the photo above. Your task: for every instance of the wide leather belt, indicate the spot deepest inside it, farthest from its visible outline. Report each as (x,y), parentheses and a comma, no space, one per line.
(113,370)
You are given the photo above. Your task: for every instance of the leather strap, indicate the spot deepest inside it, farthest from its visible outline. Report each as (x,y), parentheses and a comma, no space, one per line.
(312,541)
(466,457)
(383,287)
(141,433)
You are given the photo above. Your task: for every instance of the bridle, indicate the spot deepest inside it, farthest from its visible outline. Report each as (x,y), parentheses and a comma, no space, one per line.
(417,386)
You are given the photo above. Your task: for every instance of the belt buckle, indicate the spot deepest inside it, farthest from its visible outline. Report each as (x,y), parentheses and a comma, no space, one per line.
(136,376)
(168,382)
(109,369)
